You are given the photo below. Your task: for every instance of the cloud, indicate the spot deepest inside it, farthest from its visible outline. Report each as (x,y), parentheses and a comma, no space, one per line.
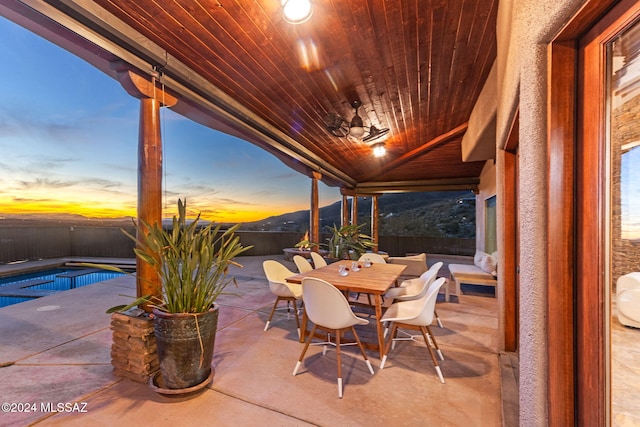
(120,167)
(285,176)
(42,162)
(236,202)
(33,200)
(265,193)
(102,183)
(18,122)
(46,183)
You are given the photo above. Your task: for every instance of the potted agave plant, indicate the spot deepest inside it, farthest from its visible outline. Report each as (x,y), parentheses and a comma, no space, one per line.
(192,263)
(348,242)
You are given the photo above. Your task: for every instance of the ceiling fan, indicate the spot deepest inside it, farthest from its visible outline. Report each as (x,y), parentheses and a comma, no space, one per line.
(354,129)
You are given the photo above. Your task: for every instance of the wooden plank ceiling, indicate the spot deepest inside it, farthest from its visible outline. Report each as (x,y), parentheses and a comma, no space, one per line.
(417,67)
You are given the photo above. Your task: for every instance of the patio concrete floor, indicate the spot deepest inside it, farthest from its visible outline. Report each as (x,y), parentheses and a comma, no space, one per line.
(56,349)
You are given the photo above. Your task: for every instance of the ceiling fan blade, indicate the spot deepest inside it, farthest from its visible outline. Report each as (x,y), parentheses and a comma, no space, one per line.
(375,134)
(336,124)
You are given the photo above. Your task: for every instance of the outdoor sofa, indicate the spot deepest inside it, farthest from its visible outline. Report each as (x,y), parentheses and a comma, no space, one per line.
(483,271)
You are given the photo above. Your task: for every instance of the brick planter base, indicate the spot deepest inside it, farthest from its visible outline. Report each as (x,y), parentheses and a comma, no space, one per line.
(134,353)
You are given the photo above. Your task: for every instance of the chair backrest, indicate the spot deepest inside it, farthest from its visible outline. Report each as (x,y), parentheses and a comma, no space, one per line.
(433,270)
(325,305)
(276,275)
(373,257)
(318,260)
(420,311)
(302,264)
(425,317)
(419,288)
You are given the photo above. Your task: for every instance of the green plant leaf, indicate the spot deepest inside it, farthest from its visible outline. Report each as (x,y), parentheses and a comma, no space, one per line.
(191,261)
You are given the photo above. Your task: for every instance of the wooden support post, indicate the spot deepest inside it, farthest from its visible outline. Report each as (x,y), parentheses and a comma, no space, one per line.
(345,211)
(149,186)
(374,222)
(152,97)
(314,215)
(354,209)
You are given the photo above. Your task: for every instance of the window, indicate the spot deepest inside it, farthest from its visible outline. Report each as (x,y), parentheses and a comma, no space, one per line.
(490,234)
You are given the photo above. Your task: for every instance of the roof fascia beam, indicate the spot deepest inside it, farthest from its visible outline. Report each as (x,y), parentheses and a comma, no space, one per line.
(454,184)
(424,148)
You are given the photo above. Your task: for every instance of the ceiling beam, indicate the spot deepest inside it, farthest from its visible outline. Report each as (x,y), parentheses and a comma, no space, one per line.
(423,149)
(453,184)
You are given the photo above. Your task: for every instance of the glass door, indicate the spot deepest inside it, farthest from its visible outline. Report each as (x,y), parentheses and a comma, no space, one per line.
(623,224)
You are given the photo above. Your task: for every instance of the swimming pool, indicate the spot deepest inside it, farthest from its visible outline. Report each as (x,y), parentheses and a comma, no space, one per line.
(25,287)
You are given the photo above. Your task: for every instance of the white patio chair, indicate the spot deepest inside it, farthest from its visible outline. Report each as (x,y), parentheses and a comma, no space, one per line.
(276,275)
(318,260)
(415,314)
(329,310)
(412,288)
(304,266)
(373,257)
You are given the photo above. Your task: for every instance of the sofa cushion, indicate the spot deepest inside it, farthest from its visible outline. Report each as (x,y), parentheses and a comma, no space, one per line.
(486,262)
(468,270)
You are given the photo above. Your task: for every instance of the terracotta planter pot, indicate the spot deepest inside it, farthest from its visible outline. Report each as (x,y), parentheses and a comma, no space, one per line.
(185,346)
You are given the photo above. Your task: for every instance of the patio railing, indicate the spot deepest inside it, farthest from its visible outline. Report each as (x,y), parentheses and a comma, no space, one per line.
(30,243)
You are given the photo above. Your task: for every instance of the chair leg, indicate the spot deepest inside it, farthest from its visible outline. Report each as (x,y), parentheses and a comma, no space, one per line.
(435,313)
(387,347)
(432,338)
(339,364)
(295,312)
(364,355)
(433,356)
(273,310)
(304,350)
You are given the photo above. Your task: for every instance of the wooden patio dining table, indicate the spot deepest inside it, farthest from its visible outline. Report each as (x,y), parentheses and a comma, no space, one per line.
(374,280)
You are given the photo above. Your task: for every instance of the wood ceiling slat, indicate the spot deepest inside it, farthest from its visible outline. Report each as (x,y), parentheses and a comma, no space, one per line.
(384,18)
(443,71)
(418,67)
(402,81)
(469,45)
(232,89)
(258,70)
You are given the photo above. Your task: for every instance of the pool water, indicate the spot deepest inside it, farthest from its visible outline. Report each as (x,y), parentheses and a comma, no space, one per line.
(25,287)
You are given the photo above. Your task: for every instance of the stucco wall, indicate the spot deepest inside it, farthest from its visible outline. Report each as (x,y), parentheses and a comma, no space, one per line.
(524,29)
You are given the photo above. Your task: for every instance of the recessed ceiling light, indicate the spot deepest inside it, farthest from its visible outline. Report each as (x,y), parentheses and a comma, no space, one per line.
(296,11)
(379,149)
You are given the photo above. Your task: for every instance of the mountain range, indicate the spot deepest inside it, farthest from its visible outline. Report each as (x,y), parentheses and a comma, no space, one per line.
(442,214)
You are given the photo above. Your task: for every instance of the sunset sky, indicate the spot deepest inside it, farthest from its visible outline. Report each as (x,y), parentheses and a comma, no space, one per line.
(69,135)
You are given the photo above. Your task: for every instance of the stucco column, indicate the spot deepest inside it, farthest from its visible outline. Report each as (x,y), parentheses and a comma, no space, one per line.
(533,239)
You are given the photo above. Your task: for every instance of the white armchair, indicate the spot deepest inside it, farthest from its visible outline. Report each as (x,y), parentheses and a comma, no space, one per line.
(416,264)
(628,299)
